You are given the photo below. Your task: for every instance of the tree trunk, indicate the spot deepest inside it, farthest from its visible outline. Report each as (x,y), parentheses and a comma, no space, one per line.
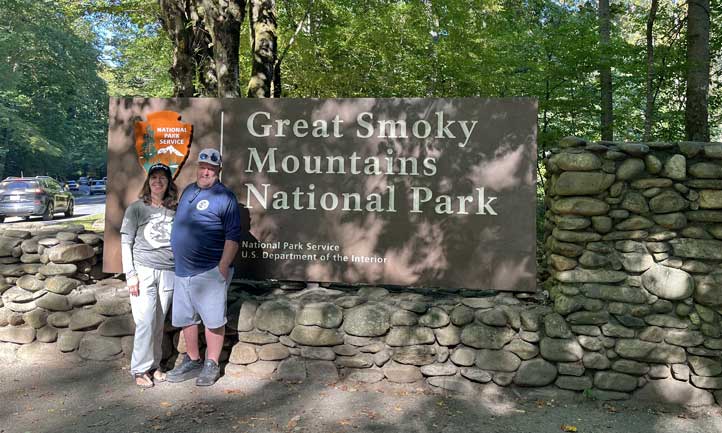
(223,21)
(4,151)
(204,65)
(262,21)
(649,107)
(605,71)
(545,116)
(279,58)
(176,20)
(277,80)
(698,64)
(434,32)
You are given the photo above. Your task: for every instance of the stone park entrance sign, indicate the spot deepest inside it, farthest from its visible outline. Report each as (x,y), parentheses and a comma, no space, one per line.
(420,192)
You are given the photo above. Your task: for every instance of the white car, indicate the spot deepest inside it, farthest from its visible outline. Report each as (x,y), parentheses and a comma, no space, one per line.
(97,187)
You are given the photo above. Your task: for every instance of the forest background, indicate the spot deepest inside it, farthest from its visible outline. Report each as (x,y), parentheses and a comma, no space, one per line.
(625,70)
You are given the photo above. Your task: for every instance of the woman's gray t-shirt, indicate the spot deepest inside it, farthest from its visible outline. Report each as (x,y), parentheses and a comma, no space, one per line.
(147,230)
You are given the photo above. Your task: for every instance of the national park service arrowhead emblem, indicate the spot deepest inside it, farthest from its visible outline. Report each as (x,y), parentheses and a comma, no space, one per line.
(163,138)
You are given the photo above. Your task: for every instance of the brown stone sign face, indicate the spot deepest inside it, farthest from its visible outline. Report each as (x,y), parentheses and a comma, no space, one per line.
(163,138)
(420,192)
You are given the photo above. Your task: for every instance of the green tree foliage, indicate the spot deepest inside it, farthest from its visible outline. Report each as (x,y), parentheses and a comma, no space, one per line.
(53,104)
(137,61)
(357,49)
(534,48)
(135,53)
(545,49)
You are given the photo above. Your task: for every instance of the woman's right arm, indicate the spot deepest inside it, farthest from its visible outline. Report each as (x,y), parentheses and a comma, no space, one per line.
(127,239)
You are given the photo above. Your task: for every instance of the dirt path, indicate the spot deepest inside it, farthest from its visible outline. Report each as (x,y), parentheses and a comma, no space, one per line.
(70,395)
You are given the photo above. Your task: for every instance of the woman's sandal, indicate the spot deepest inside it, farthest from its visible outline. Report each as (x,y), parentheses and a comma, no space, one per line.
(143,380)
(159,376)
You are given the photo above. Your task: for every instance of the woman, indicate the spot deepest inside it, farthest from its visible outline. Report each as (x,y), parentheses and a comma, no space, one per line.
(148,266)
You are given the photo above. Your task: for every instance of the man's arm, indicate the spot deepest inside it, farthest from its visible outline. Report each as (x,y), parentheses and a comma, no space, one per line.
(232,227)
(230,248)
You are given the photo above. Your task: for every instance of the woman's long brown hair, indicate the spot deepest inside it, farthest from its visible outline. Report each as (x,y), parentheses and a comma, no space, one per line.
(170,198)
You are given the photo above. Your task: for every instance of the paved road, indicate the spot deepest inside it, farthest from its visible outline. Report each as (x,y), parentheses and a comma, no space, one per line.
(84,205)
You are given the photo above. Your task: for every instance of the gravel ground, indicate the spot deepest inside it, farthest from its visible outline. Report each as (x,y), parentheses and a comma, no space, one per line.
(66,394)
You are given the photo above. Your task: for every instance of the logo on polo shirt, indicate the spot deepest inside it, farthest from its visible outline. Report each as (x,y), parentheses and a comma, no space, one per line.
(202,205)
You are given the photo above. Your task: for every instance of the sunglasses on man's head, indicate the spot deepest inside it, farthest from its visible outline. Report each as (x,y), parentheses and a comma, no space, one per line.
(213,157)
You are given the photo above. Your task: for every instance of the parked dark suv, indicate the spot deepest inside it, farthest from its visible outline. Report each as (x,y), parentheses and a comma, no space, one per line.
(28,196)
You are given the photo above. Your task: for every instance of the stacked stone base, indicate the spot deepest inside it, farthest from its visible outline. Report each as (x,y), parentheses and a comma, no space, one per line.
(54,295)
(633,243)
(633,310)
(449,342)
(456,343)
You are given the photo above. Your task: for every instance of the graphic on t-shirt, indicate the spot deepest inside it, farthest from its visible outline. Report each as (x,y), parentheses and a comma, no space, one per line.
(157,231)
(202,205)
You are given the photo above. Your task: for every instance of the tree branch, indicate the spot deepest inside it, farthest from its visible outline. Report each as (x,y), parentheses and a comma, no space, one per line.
(298,30)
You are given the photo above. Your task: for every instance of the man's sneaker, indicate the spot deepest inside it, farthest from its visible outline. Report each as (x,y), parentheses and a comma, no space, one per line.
(210,374)
(188,369)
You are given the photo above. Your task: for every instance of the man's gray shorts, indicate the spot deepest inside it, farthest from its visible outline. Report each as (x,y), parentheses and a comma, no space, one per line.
(201,299)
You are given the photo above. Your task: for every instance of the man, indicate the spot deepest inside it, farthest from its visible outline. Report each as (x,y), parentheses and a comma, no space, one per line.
(204,239)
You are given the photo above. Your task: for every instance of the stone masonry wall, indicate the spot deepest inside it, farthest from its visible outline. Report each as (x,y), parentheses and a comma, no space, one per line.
(632,237)
(633,240)
(445,339)
(53,292)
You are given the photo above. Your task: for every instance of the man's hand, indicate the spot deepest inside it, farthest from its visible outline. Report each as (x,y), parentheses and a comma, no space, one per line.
(229,253)
(225,270)
(133,285)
